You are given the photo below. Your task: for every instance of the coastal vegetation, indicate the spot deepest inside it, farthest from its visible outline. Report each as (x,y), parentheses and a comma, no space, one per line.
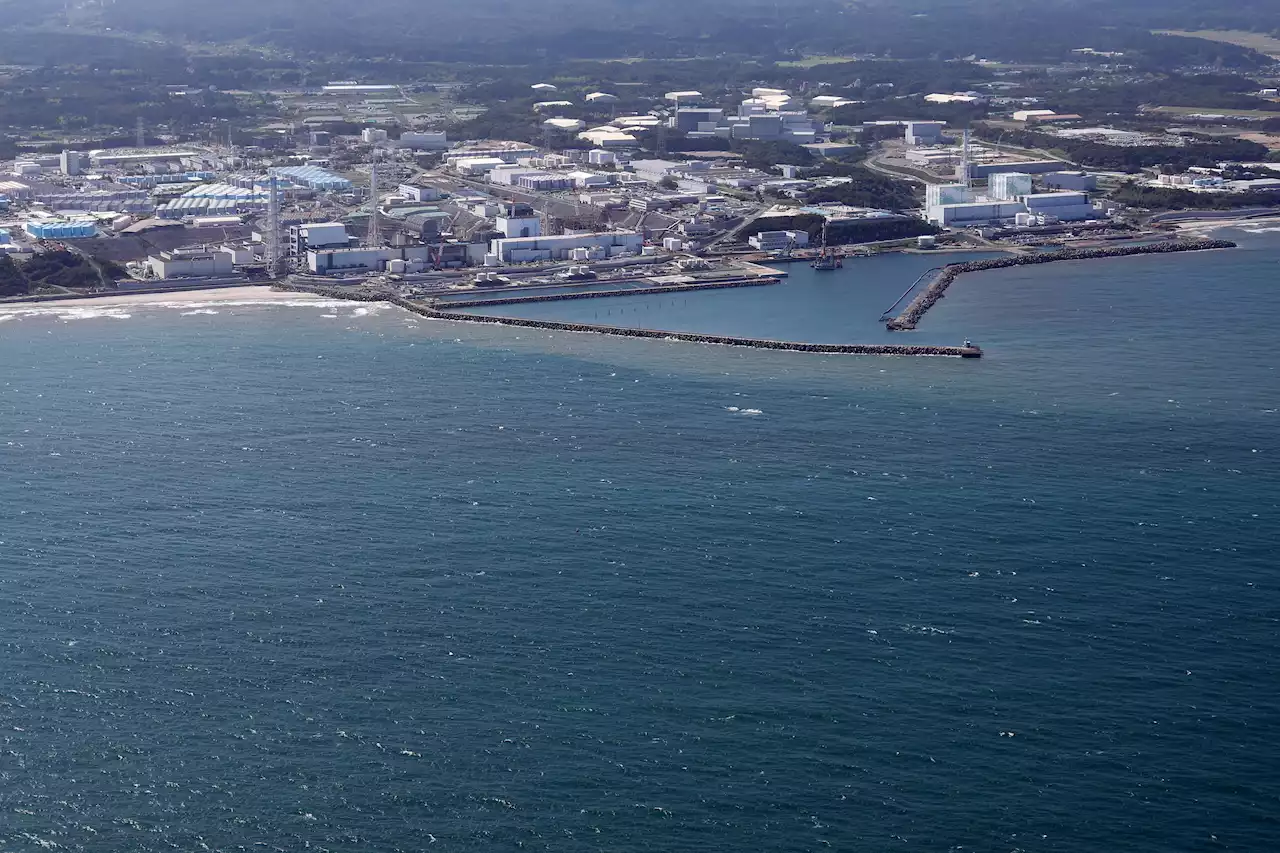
(1175,198)
(1197,151)
(55,270)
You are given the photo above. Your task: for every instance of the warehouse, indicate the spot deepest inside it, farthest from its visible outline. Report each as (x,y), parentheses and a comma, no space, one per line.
(560,248)
(180,264)
(1063,206)
(313,177)
(975,213)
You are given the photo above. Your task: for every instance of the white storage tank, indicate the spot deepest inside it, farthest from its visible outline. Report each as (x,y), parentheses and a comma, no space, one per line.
(492,260)
(648,251)
(396,265)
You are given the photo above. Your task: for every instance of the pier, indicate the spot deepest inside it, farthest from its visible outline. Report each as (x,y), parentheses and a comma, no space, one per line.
(944,278)
(425,310)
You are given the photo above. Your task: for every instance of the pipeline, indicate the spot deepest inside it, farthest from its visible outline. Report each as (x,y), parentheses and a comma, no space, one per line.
(937,288)
(888,311)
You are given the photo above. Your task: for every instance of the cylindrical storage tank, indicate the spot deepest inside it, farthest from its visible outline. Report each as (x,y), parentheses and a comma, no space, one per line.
(396,265)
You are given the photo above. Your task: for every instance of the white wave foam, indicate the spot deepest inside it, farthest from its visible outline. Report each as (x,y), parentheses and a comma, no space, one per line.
(92,314)
(89,310)
(1261,230)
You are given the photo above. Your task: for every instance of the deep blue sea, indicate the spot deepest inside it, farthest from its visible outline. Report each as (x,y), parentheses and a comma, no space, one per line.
(327,576)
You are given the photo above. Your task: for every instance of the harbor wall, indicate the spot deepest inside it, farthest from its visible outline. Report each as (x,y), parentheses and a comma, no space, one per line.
(424,310)
(937,288)
(596,294)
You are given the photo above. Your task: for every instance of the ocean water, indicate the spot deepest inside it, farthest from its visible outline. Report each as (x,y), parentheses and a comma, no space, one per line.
(327,576)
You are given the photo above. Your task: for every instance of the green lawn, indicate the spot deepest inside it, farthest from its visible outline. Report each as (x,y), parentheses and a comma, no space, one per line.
(812,61)
(1186,111)
(1258,41)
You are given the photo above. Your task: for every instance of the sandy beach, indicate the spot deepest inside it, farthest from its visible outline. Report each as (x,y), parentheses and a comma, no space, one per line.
(248,293)
(1200,227)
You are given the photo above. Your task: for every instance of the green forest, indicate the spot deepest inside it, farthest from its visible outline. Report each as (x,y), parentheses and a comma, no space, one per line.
(56,269)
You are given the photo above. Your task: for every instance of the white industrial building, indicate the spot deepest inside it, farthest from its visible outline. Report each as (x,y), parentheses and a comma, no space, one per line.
(757,119)
(1078,181)
(559,248)
(936,195)
(773,241)
(1030,167)
(70,163)
(190,264)
(505,174)
(688,97)
(424,140)
(373,135)
(602,98)
(419,194)
(954,98)
(975,213)
(568,125)
(394,259)
(589,180)
(544,182)
(519,223)
(1008,186)
(507,152)
(1063,206)
(924,132)
(1028,115)
(609,137)
(829,102)
(476,166)
(600,157)
(318,235)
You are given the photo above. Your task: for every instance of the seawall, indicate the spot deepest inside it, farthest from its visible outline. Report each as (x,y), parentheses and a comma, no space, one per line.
(937,288)
(597,294)
(424,310)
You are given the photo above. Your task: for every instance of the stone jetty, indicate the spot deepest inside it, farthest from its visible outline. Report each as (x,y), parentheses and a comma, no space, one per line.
(937,288)
(425,310)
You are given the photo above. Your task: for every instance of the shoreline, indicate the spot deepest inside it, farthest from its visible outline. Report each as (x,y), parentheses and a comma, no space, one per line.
(239,294)
(1193,227)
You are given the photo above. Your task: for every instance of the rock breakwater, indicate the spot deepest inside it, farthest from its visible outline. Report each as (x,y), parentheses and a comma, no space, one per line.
(937,288)
(423,310)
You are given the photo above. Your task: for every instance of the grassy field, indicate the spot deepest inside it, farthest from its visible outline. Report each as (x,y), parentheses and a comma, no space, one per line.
(1258,41)
(1216,111)
(813,61)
